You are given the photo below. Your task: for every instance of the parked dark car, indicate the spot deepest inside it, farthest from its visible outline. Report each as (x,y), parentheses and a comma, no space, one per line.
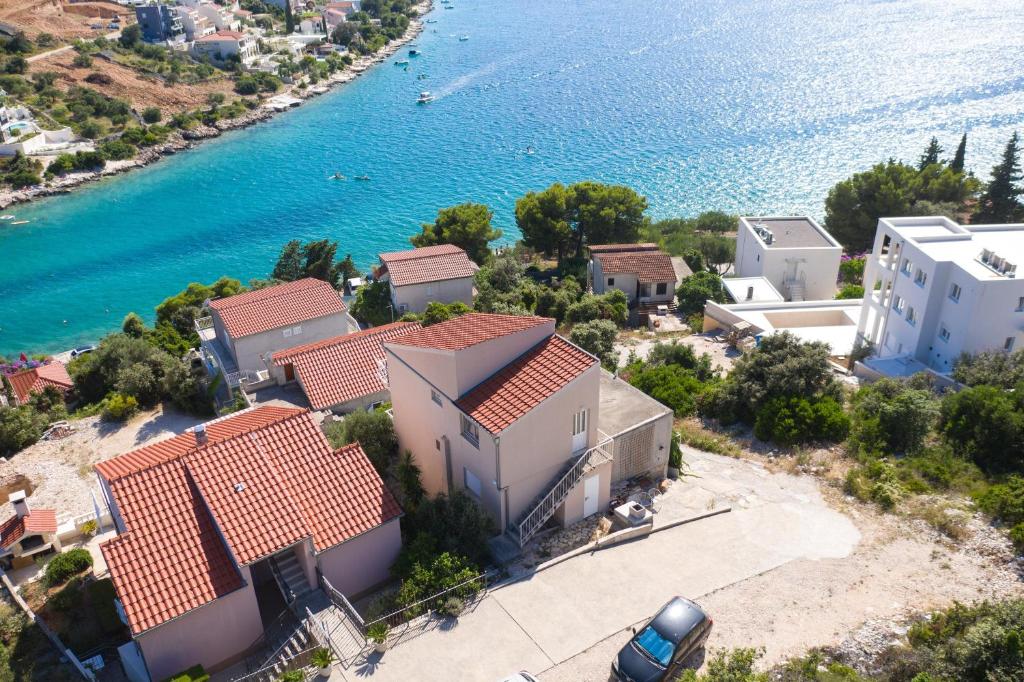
(678,630)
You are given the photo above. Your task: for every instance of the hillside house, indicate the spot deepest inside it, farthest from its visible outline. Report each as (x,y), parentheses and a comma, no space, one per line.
(27,534)
(417,277)
(223,45)
(223,527)
(35,380)
(641,271)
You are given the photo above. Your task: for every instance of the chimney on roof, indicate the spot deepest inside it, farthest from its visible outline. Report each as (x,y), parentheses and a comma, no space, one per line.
(200,431)
(750,293)
(20,503)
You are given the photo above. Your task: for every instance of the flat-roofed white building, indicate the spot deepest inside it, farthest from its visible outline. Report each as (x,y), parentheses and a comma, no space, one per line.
(941,289)
(795,254)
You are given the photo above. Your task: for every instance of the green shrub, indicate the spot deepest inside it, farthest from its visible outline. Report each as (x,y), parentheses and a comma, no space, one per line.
(671,385)
(735,665)
(151,115)
(707,441)
(1005,500)
(193,674)
(67,564)
(1017,536)
(886,494)
(675,453)
(788,421)
(374,431)
(20,427)
(117,150)
(850,291)
(120,407)
(697,289)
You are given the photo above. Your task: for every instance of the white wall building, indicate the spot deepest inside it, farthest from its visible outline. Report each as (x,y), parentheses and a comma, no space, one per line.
(220,46)
(795,254)
(941,289)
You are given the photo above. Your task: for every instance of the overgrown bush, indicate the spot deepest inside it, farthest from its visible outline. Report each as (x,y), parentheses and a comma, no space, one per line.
(697,289)
(993,368)
(20,427)
(672,385)
(597,337)
(119,407)
(891,417)
(735,665)
(986,424)
(374,431)
(440,312)
(792,420)
(65,565)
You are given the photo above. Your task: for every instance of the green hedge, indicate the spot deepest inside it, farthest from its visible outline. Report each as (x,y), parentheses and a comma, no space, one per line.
(66,565)
(193,674)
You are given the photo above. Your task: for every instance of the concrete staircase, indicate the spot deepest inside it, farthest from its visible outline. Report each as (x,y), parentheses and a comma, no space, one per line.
(290,651)
(796,291)
(290,576)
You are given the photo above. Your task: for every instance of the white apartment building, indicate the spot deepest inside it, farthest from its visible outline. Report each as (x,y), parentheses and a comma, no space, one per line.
(220,46)
(795,254)
(941,289)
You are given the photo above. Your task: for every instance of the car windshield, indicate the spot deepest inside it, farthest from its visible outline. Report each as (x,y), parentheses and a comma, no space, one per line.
(654,645)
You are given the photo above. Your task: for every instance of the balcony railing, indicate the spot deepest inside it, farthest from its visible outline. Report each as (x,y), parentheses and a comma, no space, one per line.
(203,323)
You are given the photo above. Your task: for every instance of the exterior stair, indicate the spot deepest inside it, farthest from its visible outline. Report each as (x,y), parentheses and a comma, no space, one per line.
(796,291)
(547,503)
(290,576)
(290,650)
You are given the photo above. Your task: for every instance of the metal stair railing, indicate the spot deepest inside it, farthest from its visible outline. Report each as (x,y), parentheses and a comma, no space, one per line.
(547,505)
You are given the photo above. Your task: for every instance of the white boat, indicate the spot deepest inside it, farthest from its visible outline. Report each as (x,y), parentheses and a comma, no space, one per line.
(402,62)
(7,217)
(425,97)
(463,39)
(20,222)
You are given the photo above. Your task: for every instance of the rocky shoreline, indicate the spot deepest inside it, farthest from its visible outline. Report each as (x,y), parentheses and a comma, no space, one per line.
(189,139)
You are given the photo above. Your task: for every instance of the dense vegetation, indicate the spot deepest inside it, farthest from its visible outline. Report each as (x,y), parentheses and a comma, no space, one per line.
(467,226)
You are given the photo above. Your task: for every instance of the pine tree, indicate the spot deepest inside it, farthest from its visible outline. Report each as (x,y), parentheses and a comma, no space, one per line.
(957,164)
(931,154)
(289,20)
(1000,201)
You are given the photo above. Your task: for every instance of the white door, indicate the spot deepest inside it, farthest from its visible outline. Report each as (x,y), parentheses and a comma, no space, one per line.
(579,431)
(590,494)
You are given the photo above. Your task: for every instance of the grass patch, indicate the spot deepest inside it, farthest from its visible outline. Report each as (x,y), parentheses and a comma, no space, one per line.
(696,436)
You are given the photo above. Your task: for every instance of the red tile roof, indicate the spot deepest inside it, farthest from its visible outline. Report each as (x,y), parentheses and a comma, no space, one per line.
(468,330)
(601,248)
(30,381)
(648,266)
(524,383)
(427,264)
(221,35)
(278,306)
(17,527)
(192,511)
(342,368)
(172,448)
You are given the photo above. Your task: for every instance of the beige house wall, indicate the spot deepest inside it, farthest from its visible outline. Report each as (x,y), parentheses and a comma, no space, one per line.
(415,297)
(364,561)
(572,509)
(627,284)
(211,635)
(660,445)
(250,350)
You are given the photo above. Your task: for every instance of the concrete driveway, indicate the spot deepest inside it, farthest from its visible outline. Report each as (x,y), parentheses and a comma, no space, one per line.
(556,613)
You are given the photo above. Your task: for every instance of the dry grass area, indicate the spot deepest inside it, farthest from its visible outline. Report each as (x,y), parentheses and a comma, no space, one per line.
(138,89)
(66,22)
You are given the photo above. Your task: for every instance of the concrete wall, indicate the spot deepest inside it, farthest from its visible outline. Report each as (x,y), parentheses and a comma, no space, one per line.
(250,350)
(415,297)
(364,561)
(816,267)
(210,635)
(661,440)
(572,509)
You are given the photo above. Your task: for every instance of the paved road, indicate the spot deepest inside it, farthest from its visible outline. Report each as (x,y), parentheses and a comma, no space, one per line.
(554,615)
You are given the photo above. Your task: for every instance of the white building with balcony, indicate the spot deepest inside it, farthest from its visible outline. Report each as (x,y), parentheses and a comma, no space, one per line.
(794,254)
(941,289)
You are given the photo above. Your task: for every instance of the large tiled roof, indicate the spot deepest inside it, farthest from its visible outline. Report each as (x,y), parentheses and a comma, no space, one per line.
(467,330)
(427,264)
(17,527)
(342,368)
(524,383)
(278,306)
(648,266)
(30,381)
(602,248)
(193,512)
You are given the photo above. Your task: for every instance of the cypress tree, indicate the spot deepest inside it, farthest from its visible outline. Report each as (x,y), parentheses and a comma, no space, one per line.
(289,20)
(931,154)
(957,164)
(999,203)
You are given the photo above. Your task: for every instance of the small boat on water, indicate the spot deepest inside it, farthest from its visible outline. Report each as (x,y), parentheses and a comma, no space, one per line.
(425,97)
(7,217)
(20,222)
(422,77)
(530,151)
(414,53)
(338,176)
(431,21)
(463,39)
(402,62)
(362,177)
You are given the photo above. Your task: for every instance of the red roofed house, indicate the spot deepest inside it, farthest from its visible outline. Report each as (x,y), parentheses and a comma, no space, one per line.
(27,534)
(244,331)
(642,271)
(344,373)
(221,526)
(219,46)
(502,407)
(35,380)
(442,273)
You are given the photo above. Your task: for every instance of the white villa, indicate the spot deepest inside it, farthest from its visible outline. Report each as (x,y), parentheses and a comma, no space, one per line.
(19,132)
(222,45)
(794,254)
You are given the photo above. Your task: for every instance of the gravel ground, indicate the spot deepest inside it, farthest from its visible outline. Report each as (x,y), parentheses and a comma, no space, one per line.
(722,356)
(61,470)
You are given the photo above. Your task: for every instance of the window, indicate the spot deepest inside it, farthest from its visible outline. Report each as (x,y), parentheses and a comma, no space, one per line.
(661,289)
(1008,344)
(470,431)
(907,266)
(943,333)
(297,329)
(911,315)
(579,422)
(611,281)
(954,292)
(435,396)
(471,481)
(1020,304)
(898,304)
(287,332)
(645,290)
(920,278)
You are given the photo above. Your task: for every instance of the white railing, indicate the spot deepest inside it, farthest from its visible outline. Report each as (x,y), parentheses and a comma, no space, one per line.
(548,504)
(204,323)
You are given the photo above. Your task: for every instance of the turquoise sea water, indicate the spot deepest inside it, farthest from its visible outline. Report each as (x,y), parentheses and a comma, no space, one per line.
(743,105)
